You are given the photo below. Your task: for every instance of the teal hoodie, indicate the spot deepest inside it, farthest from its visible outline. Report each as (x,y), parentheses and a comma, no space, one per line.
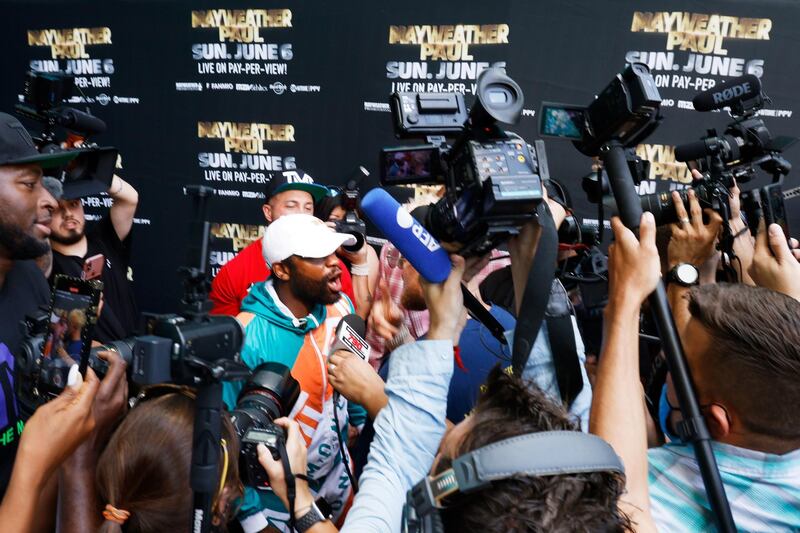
(275,335)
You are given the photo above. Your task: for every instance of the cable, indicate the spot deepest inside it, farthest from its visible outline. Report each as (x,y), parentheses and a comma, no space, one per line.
(341,443)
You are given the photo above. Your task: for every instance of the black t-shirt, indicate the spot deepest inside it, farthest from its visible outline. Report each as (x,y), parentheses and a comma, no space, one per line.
(119,317)
(23,292)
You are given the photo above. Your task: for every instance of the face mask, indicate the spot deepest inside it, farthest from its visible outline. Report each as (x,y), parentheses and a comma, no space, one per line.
(665,410)
(665,415)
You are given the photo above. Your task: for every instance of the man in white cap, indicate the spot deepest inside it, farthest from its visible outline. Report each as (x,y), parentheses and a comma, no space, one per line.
(290,319)
(288,192)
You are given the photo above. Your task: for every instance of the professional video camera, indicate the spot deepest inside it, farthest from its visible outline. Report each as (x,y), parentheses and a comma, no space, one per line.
(352,223)
(493,180)
(270,393)
(745,145)
(43,100)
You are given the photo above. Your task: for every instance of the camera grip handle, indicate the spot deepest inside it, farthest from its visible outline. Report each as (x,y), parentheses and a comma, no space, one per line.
(621,182)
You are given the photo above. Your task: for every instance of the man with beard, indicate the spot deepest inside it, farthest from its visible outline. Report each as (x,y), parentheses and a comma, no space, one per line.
(290,319)
(73,244)
(25,211)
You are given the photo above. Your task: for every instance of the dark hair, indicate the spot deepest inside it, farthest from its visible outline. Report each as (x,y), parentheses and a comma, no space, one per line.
(576,502)
(145,467)
(324,208)
(755,353)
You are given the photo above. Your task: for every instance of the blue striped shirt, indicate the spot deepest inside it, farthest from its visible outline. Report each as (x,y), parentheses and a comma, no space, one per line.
(763,489)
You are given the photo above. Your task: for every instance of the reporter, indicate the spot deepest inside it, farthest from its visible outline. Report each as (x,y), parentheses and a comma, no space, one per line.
(73,242)
(143,473)
(741,348)
(411,428)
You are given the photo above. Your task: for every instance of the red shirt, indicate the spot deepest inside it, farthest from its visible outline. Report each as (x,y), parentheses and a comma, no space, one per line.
(235,278)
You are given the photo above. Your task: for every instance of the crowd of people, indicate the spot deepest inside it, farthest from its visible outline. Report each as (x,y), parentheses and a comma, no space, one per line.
(364,436)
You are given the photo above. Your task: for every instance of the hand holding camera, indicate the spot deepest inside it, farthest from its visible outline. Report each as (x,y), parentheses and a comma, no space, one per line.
(775,265)
(297,454)
(692,240)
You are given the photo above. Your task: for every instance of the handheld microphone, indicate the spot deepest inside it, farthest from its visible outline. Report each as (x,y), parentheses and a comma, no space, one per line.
(75,120)
(735,90)
(416,243)
(349,335)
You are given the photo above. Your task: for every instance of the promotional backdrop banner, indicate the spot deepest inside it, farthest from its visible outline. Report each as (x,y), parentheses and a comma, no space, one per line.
(222,93)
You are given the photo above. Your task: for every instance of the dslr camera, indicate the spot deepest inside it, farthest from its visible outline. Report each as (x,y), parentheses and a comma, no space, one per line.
(43,100)
(492,178)
(269,393)
(352,223)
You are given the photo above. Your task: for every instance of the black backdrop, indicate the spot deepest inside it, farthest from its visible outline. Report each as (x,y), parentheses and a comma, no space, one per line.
(317,90)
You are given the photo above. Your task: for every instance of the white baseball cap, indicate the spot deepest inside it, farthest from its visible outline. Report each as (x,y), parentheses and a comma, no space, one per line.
(303,235)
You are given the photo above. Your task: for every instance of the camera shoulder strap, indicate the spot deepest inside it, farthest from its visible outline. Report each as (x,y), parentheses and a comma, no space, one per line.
(537,290)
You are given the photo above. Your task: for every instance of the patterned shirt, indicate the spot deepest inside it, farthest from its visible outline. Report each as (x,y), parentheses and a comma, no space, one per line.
(417,322)
(763,489)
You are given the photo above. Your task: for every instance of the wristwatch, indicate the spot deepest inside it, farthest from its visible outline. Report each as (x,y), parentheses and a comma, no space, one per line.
(305,522)
(684,274)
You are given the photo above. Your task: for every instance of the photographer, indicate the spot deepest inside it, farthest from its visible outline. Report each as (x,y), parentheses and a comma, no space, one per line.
(742,350)
(25,208)
(411,428)
(287,192)
(478,350)
(290,319)
(362,264)
(143,472)
(73,244)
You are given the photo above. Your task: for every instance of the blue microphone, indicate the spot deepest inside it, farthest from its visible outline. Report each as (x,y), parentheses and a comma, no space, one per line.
(416,243)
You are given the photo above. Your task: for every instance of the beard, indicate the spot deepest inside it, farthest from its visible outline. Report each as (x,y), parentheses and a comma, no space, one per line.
(312,291)
(412,298)
(68,237)
(20,245)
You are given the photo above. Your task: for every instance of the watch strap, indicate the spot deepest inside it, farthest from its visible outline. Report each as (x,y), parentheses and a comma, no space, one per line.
(305,522)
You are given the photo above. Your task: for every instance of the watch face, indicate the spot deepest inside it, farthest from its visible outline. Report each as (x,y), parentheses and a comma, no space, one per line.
(687,274)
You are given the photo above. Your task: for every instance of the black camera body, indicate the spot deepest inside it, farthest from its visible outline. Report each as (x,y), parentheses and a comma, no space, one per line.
(175,350)
(493,180)
(270,393)
(352,223)
(627,110)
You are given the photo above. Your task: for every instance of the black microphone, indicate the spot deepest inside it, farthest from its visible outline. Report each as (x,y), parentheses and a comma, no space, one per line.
(349,335)
(79,121)
(735,90)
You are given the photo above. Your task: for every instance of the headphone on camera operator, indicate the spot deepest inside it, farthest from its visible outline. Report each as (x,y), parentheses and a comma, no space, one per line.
(549,453)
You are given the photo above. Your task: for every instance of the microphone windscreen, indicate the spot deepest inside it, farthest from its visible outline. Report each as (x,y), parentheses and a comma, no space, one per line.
(355,322)
(735,90)
(407,235)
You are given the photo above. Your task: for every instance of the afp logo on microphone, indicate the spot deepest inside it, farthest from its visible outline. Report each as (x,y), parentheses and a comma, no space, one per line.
(406,221)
